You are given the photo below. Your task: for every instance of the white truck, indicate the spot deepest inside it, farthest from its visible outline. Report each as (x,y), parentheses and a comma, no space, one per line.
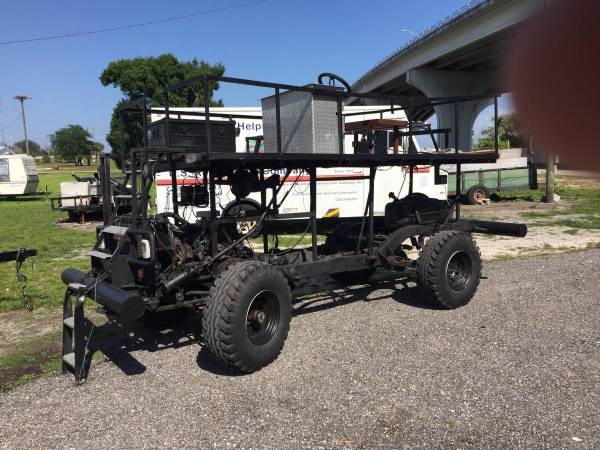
(342,191)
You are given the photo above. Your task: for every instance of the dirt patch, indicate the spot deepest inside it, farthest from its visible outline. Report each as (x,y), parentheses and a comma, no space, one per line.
(539,240)
(86,226)
(542,237)
(511,210)
(30,344)
(18,326)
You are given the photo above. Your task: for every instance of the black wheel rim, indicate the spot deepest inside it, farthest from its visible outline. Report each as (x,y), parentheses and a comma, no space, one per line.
(458,270)
(262,319)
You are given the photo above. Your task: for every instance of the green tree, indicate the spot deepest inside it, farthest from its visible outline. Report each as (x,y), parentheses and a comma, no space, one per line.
(510,134)
(72,143)
(34,148)
(141,77)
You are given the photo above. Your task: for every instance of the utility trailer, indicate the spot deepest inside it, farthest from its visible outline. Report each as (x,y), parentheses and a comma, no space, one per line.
(147,264)
(82,198)
(513,171)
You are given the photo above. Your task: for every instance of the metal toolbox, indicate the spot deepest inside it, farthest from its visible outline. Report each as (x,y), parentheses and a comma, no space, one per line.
(309,122)
(192,133)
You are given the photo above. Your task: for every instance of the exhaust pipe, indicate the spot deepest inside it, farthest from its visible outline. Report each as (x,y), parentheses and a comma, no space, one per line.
(126,304)
(499,228)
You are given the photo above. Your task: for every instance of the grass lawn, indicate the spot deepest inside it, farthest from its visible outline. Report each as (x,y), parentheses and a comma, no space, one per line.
(583,212)
(30,223)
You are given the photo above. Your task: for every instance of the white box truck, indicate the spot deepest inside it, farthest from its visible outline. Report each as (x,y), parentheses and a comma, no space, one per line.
(342,191)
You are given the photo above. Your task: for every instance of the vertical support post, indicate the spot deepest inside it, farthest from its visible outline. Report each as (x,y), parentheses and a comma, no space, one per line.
(410,146)
(340,125)
(455,126)
(213,211)
(550,168)
(134,203)
(67,336)
(145,120)
(263,206)
(275,201)
(313,210)
(174,196)
(458,165)
(167,118)
(143,188)
(80,369)
(278,120)
(411,179)
(372,173)
(207,115)
(106,189)
(496,137)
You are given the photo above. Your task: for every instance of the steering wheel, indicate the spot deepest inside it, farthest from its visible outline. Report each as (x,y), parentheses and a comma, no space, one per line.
(333,78)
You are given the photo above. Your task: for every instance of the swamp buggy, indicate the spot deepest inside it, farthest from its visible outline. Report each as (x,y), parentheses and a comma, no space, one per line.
(147,264)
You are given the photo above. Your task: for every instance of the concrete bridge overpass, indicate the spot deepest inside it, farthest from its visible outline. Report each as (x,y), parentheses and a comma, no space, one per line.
(463,55)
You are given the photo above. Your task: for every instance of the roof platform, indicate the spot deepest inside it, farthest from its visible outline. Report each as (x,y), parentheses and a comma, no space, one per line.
(203,160)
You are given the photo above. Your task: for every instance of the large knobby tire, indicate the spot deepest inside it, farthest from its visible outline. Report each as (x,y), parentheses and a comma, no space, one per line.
(449,269)
(247,316)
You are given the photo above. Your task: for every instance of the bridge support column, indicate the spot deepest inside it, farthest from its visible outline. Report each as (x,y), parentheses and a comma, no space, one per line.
(442,83)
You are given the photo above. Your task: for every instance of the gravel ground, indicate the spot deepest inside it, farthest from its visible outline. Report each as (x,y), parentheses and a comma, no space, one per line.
(518,367)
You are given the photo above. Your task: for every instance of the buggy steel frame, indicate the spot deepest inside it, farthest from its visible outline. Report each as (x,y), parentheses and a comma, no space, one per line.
(128,276)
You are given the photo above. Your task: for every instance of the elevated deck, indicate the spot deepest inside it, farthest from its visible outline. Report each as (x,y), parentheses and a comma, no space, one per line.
(302,160)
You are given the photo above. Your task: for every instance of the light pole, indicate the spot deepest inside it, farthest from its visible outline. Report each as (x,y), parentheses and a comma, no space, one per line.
(408,31)
(22,99)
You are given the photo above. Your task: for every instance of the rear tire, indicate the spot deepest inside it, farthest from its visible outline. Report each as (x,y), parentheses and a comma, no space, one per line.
(449,269)
(247,316)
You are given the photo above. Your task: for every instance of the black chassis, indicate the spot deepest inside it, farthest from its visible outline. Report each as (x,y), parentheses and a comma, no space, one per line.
(143,262)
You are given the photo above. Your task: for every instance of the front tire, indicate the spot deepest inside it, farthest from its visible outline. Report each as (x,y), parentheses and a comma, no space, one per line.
(247,316)
(449,269)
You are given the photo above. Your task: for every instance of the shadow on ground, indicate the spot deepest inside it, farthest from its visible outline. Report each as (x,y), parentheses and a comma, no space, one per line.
(117,339)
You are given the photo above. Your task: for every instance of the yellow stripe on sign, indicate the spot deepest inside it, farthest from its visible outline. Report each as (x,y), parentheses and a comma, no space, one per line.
(333,212)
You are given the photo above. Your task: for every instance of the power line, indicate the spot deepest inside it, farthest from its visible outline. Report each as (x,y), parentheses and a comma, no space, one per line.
(12,123)
(135,25)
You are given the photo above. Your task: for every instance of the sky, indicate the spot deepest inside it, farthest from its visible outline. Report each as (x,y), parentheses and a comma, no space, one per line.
(286,41)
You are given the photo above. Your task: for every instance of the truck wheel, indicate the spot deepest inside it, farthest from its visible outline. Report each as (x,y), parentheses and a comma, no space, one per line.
(476,194)
(247,316)
(449,269)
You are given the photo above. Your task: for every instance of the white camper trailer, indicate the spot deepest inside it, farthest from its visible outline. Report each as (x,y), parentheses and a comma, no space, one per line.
(18,174)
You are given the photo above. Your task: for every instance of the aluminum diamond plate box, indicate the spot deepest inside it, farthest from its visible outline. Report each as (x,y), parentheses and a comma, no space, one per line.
(308,123)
